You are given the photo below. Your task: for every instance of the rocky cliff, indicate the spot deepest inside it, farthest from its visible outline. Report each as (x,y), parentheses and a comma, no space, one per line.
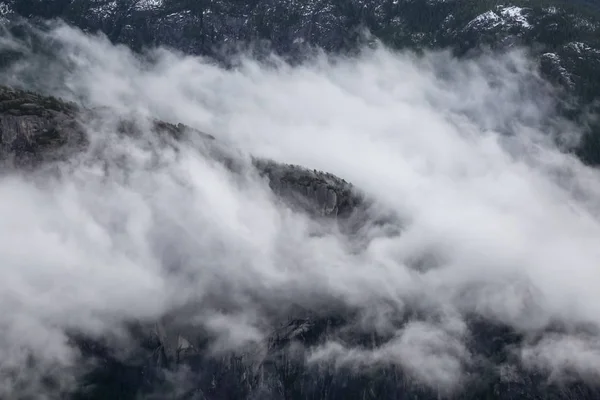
(35,129)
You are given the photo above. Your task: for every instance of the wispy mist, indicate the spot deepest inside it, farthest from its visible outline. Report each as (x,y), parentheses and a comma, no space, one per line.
(497,221)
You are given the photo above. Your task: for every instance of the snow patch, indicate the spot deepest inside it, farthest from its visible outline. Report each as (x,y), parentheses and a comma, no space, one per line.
(4,9)
(502,16)
(515,14)
(582,23)
(489,18)
(554,59)
(144,5)
(105,10)
(581,48)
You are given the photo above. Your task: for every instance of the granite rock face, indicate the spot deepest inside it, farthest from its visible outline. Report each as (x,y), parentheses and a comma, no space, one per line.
(35,129)
(321,193)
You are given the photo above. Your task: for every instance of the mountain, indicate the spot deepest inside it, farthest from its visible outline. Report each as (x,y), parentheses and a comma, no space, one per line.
(170,358)
(38,130)
(562,35)
(325,345)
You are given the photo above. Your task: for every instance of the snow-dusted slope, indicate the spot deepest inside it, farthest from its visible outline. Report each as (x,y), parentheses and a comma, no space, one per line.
(564,36)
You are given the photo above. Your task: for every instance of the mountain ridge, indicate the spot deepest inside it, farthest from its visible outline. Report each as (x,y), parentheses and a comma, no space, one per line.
(168,359)
(562,36)
(332,350)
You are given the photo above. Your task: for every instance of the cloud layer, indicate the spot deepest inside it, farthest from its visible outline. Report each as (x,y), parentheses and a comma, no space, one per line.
(498,221)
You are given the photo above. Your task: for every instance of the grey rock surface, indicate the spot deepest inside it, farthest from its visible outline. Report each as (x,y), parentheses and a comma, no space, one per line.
(321,193)
(35,129)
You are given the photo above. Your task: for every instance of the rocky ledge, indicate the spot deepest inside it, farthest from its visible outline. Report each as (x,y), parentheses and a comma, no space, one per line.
(36,129)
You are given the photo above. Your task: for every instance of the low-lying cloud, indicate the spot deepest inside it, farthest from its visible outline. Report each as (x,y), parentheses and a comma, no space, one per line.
(497,221)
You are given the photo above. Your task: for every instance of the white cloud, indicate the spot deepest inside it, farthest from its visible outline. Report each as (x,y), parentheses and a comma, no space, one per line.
(460,150)
(427,352)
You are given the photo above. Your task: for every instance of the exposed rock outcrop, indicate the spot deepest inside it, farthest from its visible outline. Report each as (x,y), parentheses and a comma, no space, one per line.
(319,192)
(36,129)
